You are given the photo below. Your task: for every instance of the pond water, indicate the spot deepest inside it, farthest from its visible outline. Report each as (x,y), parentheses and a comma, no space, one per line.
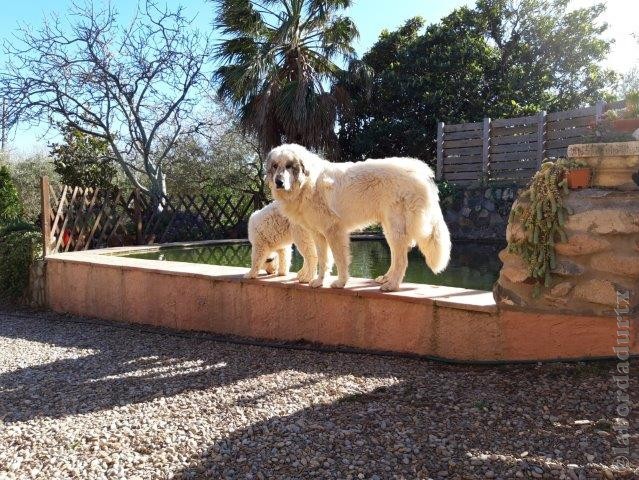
(474,266)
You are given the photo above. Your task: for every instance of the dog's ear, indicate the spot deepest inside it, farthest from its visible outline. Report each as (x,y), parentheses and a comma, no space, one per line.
(303,167)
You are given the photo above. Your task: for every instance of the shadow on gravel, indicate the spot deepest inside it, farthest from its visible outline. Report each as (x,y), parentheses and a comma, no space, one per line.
(430,420)
(422,428)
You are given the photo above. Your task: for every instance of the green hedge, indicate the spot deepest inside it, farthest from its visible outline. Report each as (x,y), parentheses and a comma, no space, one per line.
(20,245)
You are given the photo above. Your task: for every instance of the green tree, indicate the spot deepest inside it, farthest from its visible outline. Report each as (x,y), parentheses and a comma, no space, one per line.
(83,160)
(278,66)
(500,58)
(10,205)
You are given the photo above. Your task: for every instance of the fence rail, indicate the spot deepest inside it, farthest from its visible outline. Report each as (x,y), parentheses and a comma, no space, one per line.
(85,218)
(511,149)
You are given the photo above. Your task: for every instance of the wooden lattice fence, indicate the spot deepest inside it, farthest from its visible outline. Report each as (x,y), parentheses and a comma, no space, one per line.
(85,218)
(512,149)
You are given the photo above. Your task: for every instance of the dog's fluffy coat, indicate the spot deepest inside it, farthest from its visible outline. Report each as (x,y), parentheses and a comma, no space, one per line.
(331,200)
(271,235)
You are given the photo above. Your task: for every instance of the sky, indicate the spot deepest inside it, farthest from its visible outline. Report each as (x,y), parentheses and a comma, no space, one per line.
(370,16)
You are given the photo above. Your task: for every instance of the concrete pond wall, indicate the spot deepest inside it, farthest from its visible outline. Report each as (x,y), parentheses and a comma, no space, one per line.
(435,321)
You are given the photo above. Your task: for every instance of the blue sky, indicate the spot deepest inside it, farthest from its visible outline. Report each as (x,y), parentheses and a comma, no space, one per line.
(371,17)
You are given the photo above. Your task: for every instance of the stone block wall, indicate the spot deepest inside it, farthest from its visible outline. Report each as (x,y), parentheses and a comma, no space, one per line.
(599,259)
(478,212)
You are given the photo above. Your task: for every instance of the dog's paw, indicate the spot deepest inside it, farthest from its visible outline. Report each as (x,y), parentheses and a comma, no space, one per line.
(282,274)
(338,283)
(250,275)
(381,279)
(316,283)
(304,277)
(390,286)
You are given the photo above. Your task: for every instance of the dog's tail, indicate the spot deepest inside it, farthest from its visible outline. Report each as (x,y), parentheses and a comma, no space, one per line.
(436,245)
(433,237)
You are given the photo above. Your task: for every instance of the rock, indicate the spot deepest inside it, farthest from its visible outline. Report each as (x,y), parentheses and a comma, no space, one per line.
(616,263)
(569,268)
(496,219)
(465,211)
(490,206)
(561,289)
(581,244)
(484,214)
(603,292)
(604,221)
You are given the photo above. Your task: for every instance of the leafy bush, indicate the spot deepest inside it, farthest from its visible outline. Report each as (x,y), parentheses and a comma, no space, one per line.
(10,204)
(20,245)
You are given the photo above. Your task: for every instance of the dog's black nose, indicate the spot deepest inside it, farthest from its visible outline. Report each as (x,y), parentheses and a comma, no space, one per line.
(279,183)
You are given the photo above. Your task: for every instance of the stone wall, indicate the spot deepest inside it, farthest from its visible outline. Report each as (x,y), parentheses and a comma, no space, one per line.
(478,212)
(599,259)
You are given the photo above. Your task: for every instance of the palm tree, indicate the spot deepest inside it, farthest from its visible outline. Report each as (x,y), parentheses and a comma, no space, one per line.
(278,66)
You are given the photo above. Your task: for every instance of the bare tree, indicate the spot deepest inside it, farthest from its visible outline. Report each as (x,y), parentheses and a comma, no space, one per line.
(136,86)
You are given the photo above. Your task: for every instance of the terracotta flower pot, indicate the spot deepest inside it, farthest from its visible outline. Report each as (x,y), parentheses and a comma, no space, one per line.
(578,178)
(625,125)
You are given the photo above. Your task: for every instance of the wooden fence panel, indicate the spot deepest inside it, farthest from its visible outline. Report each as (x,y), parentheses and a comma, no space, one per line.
(83,218)
(512,148)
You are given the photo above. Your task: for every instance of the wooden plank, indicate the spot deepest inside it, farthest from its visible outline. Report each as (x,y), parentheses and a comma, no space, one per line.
(515,122)
(556,152)
(529,164)
(563,142)
(541,137)
(463,167)
(457,152)
(514,147)
(463,127)
(571,122)
(578,132)
(45,206)
(440,150)
(473,142)
(505,140)
(509,131)
(575,113)
(466,159)
(485,154)
(462,135)
(512,156)
(462,176)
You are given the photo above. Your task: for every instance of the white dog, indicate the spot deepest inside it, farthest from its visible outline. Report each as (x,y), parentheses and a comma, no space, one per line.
(333,199)
(271,232)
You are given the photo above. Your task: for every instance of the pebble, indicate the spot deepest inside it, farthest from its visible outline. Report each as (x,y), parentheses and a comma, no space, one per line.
(94,400)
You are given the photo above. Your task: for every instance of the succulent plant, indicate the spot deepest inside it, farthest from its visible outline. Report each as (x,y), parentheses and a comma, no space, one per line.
(542,213)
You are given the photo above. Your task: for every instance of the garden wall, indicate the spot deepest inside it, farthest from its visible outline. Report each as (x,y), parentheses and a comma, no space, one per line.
(478,212)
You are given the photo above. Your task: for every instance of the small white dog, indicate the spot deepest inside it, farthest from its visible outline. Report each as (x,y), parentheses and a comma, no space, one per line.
(333,199)
(271,235)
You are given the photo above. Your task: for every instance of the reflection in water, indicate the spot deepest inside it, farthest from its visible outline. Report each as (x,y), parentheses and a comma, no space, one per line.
(471,265)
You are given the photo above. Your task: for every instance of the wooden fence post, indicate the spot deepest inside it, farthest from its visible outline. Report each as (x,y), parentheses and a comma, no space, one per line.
(599,111)
(138,217)
(45,204)
(541,138)
(485,151)
(439,173)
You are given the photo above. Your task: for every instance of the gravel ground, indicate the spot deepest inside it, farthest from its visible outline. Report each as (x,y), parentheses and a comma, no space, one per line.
(83,400)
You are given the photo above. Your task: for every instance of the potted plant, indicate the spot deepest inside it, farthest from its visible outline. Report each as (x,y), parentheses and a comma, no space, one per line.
(620,125)
(577,173)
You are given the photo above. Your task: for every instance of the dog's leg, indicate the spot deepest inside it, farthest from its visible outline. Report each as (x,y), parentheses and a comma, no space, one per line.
(339,242)
(304,242)
(258,257)
(322,256)
(387,228)
(399,242)
(284,260)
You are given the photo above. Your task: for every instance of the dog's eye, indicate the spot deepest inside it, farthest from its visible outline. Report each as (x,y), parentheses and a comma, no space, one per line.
(288,167)
(274,167)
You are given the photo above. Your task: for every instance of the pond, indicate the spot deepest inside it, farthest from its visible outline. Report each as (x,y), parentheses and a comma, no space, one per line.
(474,266)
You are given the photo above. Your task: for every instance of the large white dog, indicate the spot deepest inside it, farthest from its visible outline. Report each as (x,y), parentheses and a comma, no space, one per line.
(333,199)
(271,235)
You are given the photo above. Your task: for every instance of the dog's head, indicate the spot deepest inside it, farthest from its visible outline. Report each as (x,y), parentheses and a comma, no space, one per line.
(287,169)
